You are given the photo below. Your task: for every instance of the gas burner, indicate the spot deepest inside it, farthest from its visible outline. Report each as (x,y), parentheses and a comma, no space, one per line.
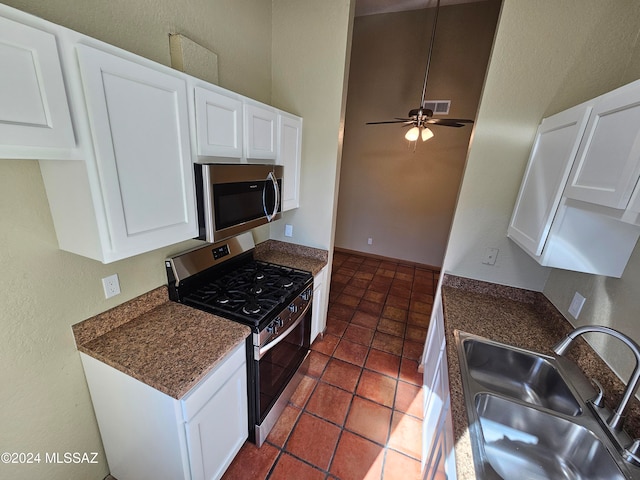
(256,289)
(223,299)
(284,282)
(258,275)
(251,307)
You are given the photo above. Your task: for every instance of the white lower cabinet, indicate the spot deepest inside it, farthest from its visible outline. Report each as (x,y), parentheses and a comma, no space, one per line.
(318,317)
(149,435)
(438,457)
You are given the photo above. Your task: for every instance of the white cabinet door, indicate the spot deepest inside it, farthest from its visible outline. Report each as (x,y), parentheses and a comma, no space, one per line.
(260,132)
(550,163)
(139,124)
(318,319)
(289,155)
(218,124)
(218,430)
(607,166)
(34,111)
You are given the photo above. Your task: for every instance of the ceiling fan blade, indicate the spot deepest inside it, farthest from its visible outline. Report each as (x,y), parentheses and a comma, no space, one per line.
(448,122)
(388,121)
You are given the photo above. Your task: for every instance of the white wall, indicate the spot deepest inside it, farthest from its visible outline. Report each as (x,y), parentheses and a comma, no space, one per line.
(311,44)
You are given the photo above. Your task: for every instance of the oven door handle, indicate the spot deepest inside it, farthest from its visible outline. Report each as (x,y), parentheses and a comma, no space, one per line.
(271,178)
(261,351)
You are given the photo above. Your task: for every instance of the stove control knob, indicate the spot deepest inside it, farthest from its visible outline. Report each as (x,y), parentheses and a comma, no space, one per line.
(306,295)
(278,322)
(293,308)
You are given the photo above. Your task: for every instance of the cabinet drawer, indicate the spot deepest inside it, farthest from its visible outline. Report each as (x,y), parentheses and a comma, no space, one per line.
(207,388)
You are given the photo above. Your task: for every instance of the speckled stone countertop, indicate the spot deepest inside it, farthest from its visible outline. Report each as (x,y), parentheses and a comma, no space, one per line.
(170,346)
(291,255)
(516,317)
(167,345)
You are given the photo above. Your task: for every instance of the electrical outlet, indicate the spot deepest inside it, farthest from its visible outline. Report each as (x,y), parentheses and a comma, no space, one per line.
(576,305)
(111,286)
(288,230)
(490,255)
(370,241)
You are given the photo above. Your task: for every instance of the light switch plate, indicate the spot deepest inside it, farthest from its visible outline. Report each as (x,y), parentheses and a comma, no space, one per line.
(288,230)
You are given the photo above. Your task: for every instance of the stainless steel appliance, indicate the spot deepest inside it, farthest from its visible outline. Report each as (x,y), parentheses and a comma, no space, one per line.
(275,301)
(235,198)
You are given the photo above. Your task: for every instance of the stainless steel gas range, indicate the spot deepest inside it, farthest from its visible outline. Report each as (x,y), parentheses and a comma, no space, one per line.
(275,301)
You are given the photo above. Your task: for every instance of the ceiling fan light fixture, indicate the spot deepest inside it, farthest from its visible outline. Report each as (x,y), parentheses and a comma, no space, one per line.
(426,134)
(412,134)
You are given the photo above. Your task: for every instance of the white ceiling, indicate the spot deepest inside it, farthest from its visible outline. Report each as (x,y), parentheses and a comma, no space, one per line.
(372,7)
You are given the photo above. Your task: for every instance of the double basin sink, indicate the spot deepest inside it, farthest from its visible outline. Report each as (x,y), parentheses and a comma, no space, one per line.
(528,417)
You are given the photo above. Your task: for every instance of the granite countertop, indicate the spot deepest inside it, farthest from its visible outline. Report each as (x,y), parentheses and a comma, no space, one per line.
(291,255)
(170,346)
(164,344)
(517,317)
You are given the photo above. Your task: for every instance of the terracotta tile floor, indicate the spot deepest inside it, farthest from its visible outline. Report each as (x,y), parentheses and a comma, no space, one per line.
(357,413)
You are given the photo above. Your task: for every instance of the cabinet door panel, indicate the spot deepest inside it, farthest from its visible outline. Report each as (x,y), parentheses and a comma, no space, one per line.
(550,162)
(140,130)
(218,124)
(217,432)
(289,157)
(260,131)
(608,163)
(33,102)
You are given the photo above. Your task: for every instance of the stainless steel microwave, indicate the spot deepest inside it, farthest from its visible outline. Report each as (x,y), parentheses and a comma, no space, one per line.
(235,198)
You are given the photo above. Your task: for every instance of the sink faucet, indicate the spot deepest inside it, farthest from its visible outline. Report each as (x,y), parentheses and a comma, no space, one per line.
(616,419)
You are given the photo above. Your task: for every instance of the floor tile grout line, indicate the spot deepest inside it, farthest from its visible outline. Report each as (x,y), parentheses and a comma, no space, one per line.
(397,378)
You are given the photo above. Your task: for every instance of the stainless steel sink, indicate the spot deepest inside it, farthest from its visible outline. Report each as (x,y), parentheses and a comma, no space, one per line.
(529,417)
(523,442)
(519,374)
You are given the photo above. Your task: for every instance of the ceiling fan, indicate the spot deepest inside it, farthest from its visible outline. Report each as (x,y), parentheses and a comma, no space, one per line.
(421,117)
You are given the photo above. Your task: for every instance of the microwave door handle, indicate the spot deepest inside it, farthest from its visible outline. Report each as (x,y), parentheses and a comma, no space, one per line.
(274,182)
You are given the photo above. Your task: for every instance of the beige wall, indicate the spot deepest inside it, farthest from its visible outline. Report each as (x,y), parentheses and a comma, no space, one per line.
(45,402)
(311,45)
(548,56)
(400,197)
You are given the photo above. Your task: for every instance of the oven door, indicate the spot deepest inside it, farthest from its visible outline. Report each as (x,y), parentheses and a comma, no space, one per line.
(277,368)
(235,198)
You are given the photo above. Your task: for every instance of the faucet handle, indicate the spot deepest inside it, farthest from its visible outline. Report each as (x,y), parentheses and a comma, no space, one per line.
(598,399)
(631,452)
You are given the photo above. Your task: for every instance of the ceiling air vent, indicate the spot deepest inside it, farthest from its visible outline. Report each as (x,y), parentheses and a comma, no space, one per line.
(438,107)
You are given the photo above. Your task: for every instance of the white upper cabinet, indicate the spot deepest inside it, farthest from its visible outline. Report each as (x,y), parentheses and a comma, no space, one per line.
(573,208)
(35,121)
(140,130)
(607,166)
(289,155)
(550,161)
(219,125)
(260,133)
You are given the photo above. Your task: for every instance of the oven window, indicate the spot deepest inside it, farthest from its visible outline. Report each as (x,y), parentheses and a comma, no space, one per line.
(280,363)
